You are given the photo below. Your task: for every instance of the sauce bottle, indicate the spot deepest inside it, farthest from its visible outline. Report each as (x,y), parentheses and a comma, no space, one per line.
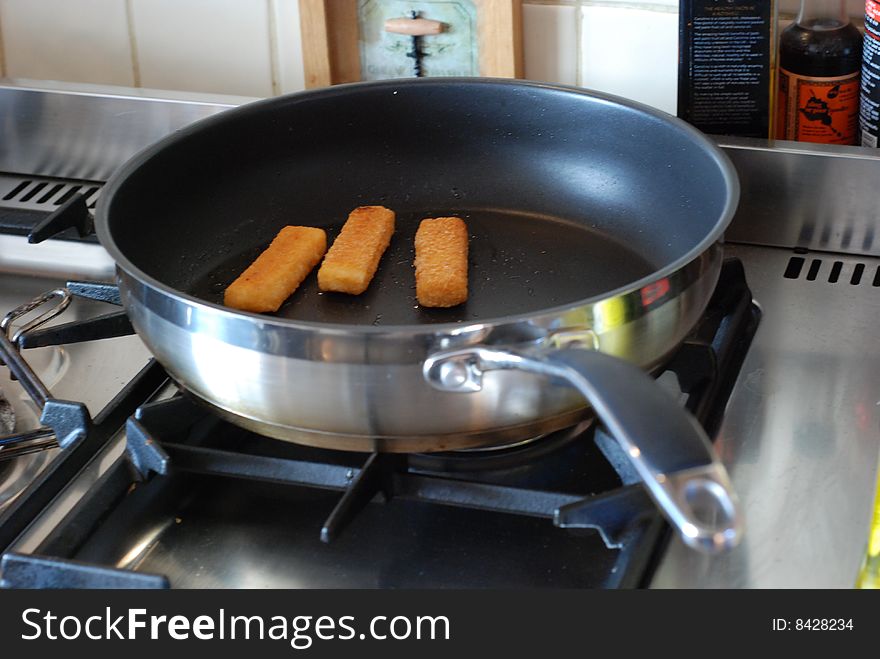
(820,56)
(870,110)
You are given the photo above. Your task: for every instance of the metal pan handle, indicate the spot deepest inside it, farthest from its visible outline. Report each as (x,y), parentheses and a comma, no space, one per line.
(665,443)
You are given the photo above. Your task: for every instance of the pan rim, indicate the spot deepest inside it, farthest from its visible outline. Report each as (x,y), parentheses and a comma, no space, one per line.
(723,163)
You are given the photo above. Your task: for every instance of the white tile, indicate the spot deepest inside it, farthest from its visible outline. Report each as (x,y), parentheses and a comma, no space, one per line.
(218,46)
(855,8)
(69,40)
(550,43)
(632,53)
(639,4)
(288,40)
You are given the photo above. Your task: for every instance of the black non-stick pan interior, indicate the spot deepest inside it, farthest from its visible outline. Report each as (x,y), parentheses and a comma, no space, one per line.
(517,264)
(566,196)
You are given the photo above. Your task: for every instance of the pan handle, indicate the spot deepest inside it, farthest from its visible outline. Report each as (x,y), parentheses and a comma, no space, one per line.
(667,446)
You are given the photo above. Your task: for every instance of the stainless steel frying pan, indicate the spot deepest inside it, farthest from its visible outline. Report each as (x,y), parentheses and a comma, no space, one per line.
(595,245)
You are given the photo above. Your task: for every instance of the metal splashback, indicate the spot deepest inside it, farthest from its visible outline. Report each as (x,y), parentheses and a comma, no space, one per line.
(793,195)
(813,196)
(72,137)
(65,133)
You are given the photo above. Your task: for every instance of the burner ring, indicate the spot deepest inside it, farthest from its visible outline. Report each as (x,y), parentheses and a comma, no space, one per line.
(7,426)
(505,456)
(7,416)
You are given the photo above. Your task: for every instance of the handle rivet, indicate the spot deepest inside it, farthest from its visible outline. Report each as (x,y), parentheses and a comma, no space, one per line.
(454,373)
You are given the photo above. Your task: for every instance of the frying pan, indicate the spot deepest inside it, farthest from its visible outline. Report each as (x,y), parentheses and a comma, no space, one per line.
(595,227)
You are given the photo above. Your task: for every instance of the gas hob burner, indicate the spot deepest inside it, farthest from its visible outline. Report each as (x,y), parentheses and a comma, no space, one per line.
(17,468)
(23,442)
(571,490)
(7,415)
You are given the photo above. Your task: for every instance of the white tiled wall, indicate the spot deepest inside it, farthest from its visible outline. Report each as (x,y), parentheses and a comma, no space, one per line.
(631,52)
(288,42)
(856,8)
(201,44)
(254,47)
(76,40)
(550,43)
(243,47)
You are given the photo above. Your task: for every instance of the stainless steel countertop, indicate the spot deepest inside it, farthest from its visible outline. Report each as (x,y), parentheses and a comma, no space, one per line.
(801,436)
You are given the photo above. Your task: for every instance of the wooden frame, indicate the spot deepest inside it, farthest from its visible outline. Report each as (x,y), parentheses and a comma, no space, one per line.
(330,40)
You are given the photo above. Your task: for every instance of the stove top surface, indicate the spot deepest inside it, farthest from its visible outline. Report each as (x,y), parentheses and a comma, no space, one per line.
(798,434)
(198,502)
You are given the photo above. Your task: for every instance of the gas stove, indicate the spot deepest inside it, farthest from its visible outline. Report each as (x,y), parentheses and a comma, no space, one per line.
(126,482)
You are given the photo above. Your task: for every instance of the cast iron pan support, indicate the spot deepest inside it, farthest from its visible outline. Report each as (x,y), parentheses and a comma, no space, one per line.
(688,483)
(69,421)
(148,455)
(73,213)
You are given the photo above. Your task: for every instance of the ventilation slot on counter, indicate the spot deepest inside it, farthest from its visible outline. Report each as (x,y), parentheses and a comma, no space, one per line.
(43,194)
(840,272)
(795,265)
(836,267)
(30,194)
(858,271)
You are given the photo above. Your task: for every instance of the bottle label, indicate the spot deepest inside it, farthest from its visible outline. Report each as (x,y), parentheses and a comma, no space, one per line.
(724,74)
(870,109)
(824,110)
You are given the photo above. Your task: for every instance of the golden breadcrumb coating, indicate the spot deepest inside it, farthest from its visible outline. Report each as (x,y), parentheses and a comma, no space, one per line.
(441,262)
(278,271)
(354,256)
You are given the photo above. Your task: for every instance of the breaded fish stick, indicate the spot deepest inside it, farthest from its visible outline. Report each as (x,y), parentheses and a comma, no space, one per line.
(354,256)
(441,262)
(278,271)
